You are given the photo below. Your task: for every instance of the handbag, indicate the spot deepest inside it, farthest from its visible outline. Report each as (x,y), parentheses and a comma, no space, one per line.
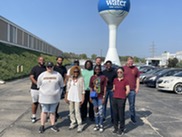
(93,94)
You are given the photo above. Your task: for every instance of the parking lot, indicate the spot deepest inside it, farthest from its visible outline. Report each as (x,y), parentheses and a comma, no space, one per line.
(158,115)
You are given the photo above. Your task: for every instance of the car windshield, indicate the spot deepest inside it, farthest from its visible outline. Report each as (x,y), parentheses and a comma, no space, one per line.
(179,74)
(162,72)
(150,71)
(153,71)
(158,70)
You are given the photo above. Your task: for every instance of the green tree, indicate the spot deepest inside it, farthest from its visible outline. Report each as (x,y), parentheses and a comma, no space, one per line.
(172,62)
(66,55)
(83,56)
(179,64)
(93,56)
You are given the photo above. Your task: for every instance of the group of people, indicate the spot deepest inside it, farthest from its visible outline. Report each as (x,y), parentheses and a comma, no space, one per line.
(91,85)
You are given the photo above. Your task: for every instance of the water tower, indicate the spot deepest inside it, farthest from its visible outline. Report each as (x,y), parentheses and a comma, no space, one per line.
(113,12)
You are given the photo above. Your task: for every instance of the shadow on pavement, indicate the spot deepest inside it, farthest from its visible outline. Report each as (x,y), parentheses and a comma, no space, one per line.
(139,115)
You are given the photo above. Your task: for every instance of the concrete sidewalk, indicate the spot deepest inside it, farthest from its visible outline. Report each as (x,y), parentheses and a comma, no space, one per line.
(15,113)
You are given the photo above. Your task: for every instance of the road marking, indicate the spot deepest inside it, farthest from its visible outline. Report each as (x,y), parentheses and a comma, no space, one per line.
(147,122)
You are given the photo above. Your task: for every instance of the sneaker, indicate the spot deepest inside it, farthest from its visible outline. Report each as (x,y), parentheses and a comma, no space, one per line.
(80,128)
(101,129)
(55,129)
(72,126)
(120,133)
(33,119)
(115,131)
(96,127)
(41,129)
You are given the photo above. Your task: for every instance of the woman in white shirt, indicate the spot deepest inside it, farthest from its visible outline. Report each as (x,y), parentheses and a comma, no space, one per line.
(75,97)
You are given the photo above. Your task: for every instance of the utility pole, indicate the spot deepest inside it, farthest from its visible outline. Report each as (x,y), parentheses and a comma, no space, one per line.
(101,53)
(152,50)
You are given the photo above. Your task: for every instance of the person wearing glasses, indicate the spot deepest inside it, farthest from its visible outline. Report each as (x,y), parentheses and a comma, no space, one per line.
(121,90)
(50,84)
(75,95)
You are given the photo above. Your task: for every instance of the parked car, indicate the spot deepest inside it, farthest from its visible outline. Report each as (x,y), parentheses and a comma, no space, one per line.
(143,76)
(144,68)
(151,81)
(171,83)
(145,80)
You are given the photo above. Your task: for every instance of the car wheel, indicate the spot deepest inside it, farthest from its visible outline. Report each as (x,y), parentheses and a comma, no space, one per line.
(178,88)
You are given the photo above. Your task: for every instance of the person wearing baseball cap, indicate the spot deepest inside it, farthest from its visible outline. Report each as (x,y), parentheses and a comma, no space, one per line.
(50,84)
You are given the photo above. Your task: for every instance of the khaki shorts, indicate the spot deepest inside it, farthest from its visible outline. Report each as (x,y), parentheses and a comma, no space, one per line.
(35,95)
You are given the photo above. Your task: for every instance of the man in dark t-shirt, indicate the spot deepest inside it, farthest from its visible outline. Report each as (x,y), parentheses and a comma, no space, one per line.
(110,73)
(63,71)
(35,72)
(60,68)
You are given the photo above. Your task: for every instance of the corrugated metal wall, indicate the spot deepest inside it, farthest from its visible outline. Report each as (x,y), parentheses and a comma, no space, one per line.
(11,33)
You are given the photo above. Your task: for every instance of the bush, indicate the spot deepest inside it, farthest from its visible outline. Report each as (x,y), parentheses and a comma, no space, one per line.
(11,57)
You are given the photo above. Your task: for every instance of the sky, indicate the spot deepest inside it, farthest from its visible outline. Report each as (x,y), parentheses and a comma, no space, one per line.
(76,26)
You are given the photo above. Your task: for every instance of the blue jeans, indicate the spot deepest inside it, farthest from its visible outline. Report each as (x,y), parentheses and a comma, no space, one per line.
(109,95)
(131,100)
(98,111)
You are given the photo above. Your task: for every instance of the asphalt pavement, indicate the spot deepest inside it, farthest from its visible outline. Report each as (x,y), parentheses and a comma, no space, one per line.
(158,115)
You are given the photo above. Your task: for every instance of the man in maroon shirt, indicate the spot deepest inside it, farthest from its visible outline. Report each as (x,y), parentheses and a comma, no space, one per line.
(131,73)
